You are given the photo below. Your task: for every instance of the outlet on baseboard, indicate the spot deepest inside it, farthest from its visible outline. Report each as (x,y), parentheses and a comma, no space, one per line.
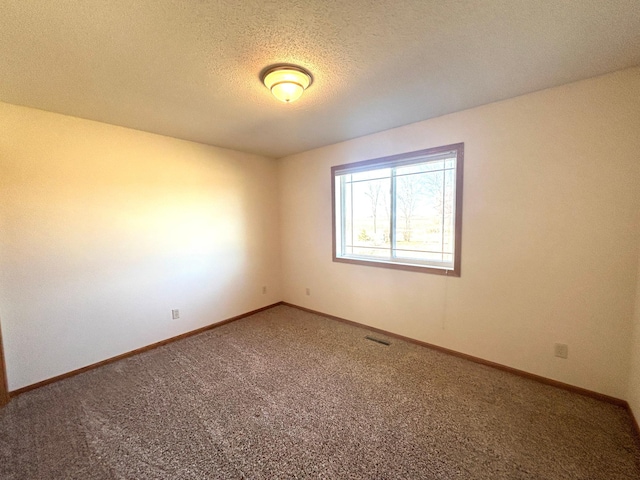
(175,314)
(264,289)
(561,350)
(308,291)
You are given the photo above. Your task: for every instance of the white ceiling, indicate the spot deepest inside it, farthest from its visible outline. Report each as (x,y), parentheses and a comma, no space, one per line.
(190,68)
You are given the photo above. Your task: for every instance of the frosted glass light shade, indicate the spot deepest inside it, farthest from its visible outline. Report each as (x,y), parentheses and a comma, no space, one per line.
(287,83)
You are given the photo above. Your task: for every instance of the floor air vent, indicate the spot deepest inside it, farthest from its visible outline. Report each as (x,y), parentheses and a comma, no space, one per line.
(378,340)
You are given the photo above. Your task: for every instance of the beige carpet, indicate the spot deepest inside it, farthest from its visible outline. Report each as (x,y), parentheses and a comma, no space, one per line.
(286,394)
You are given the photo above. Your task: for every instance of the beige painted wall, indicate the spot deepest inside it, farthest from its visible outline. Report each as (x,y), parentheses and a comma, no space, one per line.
(634,378)
(550,234)
(104,230)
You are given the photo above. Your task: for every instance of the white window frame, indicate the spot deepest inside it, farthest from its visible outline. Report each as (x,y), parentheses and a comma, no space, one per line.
(338,216)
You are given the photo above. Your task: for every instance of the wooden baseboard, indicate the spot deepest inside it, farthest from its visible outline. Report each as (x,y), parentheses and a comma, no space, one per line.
(635,424)
(57,378)
(4,388)
(548,381)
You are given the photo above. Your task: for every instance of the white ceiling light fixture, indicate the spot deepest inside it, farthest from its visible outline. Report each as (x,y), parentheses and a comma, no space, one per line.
(286,82)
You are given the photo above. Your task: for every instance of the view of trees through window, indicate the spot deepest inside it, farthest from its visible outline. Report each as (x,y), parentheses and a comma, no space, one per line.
(403,212)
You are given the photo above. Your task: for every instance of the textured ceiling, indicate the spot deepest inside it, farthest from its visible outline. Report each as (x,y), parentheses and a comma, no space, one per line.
(190,69)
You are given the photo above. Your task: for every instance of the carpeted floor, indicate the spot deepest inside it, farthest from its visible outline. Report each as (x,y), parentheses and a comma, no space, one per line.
(286,394)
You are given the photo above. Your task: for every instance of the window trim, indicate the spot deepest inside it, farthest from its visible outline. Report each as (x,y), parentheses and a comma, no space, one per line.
(395,160)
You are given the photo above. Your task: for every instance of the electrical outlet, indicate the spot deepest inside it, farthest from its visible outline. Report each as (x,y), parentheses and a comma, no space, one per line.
(264,289)
(562,350)
(308,291)
(175,314)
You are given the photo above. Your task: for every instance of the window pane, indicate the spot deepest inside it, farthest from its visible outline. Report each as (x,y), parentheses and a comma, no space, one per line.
(347,215)
(424,222)
(369,216)
(415,208)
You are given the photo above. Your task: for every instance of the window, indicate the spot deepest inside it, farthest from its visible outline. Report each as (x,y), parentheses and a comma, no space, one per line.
(403,211)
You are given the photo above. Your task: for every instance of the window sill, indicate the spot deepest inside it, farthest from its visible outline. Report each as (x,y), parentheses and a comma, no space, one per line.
(413,267)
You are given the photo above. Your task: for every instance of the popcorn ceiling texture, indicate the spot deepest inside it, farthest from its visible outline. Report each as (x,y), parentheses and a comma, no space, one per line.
(288,394)
(191,69)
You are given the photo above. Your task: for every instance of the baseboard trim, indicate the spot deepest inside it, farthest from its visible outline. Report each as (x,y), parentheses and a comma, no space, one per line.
(4,388)
(72,373)
(635,424)
(548,381)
